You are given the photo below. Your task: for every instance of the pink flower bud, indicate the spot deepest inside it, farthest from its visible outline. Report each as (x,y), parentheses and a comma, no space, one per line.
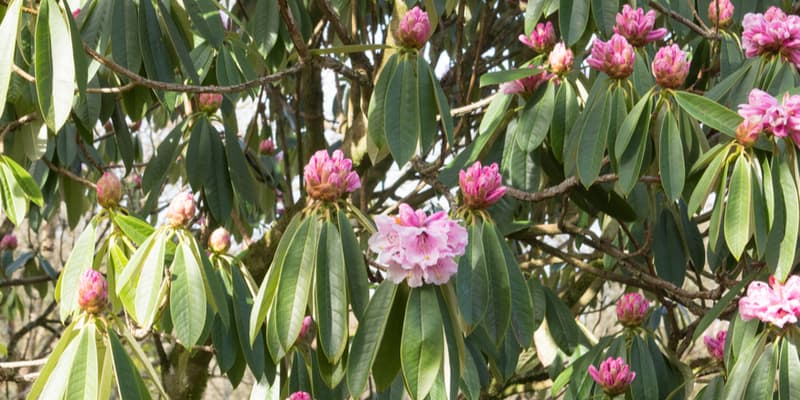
(137,180)
(306,335)
(528,85)
(220,240)
(631,309)
(299,396)
(9,242)
(414,29)
(777,303)
(670,67)
(327,178)
(209,102)
(637,27)
(716,344)
(561,59)
(481,186)
(614,57)
(109,190)
(75,13)
(92,292)
(267,146)
(724,16)
(748,130)
(181,210)
(614,376)
(541,39)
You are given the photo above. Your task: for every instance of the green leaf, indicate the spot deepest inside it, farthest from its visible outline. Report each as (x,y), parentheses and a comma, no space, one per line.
(8,30)
(402,113)
(533,12)
(498,77)
(535,118)
(238,170)
(164,158)
(376,115)
(125,49)
(330,296)
(643,387)
(206,19)
(592,138)
(709,112)
(561,323)
(782,240)
(564,117)
(13,198)
(357,280)
(631,144)
(80,259)
(707,182)
(385,372)
(472,279)
(134,228)
(295,283)
(187,297)
(789,369)
(498,313)
(522,323)
(368,337)
(604,13)
(123,138)
(263,26)
(217,188)
(441,104)
(83,376)
(129,382)
(422,345)
(150,282)
(670,158)
(157,61)
(256,355)
(738,213)
(762,380)
(51,368)
(55,87)
(668,251)
(573,17)
(23,179)
(743,368)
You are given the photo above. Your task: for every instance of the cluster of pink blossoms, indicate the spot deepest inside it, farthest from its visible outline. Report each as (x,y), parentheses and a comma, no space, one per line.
(716,344)
(527,85)
(670,67)
(9,242)
(299,396)
(541,39)
(637,26)
(614,57)
(773,32)
(92,292)
(764,113)
(614,376)
(417,247)
(414,29)
(481,186)
(631,309)
(723,16)
(328,177)
(776,303)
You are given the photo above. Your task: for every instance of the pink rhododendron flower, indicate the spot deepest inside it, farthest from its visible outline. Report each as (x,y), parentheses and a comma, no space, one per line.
(670,67)
(327,177)
(417,247)
(181,209)
(8,242)
(299,396)
(307,331)
(772,33)
(92,292)
(541,39)
(76,12)
(779,119)
(614,57)
(209,102)
(716,344)
(220,240)
(481,186)
(724,16)
(414,29)
(637,26)
(631,309)
(614,375)
(560,59)
(776,303)
(527,85)
(267,146)
(109,190)
(748,130)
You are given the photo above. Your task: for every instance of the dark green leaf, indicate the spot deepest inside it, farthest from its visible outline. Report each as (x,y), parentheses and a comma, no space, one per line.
(422,345)
(330,296)
(572,20)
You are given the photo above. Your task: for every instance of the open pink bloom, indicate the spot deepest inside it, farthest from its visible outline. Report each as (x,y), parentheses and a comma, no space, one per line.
(181,209)
(775,118)
(560,59)
(724,16)
(299,396)
(772,33)
(220,240)
(541,39)
(776,303)
(631,309)
(8,242)
(414,29)
(748,130)
(716,344)
(527,85)
(614,57)
(209,102)
(614,375)
(670,67)
(92,292)
(791,106)
(418,248)
(327,177)
(637,26)
(481,186)
(109,190)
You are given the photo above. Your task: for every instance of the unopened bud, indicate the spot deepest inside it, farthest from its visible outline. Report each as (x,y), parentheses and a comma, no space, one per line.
(92,292)
(109,190)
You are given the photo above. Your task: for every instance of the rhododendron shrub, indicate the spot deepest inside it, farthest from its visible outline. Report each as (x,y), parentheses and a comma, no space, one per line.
(406,199)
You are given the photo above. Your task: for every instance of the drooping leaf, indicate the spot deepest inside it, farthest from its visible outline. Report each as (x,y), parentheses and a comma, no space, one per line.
(422,345)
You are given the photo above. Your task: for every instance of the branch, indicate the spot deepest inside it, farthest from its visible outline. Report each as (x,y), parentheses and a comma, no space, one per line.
(686,21)
(70,175)
(16,124)
(297,38)
(565,186)
(26,281)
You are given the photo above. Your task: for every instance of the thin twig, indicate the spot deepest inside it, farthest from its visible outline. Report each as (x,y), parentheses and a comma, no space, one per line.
(683,20)
(70,175)
(565,186)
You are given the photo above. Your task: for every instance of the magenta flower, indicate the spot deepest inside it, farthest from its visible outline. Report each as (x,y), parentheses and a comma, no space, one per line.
(209,102)
(724,16)
(414,29)
(75,13)
(791,106)
(716,344)
(109,190)
(541,39)
(92,292)
(181,210)
(776,303)
(560,59)
(267,146)
(614,376)
(614,57)
(9,242)
(306,335)
(220,240)
(631,309)
(418,248)
(527,85)
(772,33)
(670,67)
(748,130)
(299,396)
(773,116)
(327,177)
(637,27)
(481,186)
